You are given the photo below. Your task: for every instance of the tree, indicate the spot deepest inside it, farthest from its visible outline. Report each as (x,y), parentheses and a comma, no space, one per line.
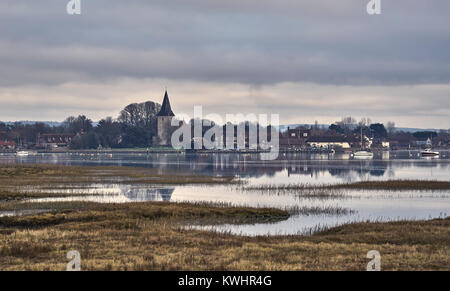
(336,128)
(78,125)
(89,140)
(26,134)
(364,129)
(378,130)
(364,122)
(138,123)
(139,114)
(390,127)
(422,135)
(347,123)
(109,132)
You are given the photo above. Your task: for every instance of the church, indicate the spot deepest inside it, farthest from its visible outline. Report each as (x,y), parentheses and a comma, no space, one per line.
(163,121)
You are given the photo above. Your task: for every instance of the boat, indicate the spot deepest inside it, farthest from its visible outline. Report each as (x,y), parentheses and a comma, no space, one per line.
(22,153)
(362,153)
(429,153)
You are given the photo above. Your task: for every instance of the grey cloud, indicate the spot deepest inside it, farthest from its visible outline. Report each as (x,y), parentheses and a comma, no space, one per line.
(307,60)
(249,41)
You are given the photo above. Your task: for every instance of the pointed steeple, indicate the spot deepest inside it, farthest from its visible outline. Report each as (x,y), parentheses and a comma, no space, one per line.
(165,108)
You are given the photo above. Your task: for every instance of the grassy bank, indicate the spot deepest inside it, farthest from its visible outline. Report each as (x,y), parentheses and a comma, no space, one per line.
(150,236)
(318,190)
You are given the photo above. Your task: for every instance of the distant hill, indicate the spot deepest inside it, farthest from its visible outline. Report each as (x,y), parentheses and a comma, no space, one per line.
(285,127)
(50,123)
(407,129)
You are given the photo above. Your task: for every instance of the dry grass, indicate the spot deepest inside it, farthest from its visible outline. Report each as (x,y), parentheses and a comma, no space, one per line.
(150,236)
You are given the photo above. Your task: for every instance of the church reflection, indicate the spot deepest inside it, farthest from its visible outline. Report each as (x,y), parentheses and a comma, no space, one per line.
(143,194)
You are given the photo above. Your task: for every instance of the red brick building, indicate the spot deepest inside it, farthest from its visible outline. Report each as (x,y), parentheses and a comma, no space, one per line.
(6,142)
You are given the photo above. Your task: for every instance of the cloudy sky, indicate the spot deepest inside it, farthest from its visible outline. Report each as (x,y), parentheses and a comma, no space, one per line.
(305,60)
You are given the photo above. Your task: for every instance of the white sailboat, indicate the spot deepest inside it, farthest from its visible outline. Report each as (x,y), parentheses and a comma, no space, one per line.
(362,153)
(428,152)
(365,154)
(22,153)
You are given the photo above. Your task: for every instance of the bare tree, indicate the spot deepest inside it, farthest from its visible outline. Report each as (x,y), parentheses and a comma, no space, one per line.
(347,123)
(139,114)
(390,126)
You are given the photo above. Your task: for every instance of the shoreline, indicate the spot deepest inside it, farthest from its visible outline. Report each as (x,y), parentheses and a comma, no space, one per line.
(204,151)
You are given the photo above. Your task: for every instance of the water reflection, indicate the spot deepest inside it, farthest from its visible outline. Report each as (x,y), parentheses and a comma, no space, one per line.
(309,168)
(143,194)
(109,193)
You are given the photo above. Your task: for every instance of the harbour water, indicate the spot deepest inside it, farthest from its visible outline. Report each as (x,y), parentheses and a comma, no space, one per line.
(318,169)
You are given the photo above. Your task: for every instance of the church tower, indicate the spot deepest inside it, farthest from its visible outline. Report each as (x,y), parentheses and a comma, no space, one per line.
(164,119)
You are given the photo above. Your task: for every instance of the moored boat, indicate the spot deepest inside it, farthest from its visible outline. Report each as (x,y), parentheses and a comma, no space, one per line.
(429,153)
(363,154)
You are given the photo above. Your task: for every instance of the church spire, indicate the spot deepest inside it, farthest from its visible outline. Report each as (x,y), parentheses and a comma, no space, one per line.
(165,108)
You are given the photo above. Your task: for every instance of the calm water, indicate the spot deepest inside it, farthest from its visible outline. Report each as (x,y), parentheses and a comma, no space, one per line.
(297,168)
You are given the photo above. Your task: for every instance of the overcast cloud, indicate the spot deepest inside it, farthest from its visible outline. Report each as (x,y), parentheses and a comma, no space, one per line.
(307,60)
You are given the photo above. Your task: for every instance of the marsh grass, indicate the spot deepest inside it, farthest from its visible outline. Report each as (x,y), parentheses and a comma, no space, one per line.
(324,189)
(150,236)
(395,185)
(323,210)
(85,212)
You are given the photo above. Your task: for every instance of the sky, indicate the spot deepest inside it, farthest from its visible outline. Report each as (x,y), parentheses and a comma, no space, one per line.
(304,60)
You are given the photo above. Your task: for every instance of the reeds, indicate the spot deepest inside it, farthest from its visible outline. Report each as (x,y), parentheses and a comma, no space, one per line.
(363,185)
(323,210)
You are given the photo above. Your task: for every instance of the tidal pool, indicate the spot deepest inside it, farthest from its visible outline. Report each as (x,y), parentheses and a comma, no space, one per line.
(363,204)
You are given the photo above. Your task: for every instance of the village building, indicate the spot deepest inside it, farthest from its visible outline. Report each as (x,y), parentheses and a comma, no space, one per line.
(54,140)
(294,139)
(6,142)
(328,142)
(424,142)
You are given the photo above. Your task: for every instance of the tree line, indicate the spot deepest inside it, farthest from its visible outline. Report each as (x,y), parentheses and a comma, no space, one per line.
(134,127)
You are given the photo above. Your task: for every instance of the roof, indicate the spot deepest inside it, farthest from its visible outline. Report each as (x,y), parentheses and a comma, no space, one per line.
(56,135)
(55,138)
(165,108)
(327,139)
(7,142)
